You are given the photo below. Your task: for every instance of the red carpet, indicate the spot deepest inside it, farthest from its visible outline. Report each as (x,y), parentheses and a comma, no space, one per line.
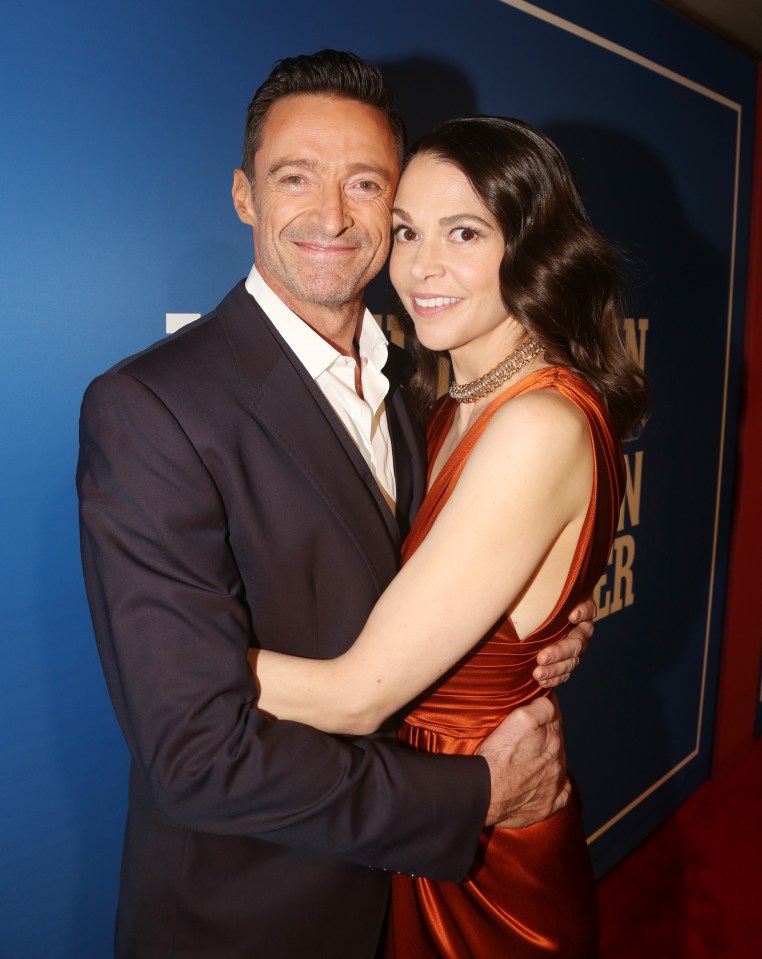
(693,889)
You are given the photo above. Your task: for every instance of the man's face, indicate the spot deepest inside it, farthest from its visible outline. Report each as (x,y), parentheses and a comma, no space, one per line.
(324,180)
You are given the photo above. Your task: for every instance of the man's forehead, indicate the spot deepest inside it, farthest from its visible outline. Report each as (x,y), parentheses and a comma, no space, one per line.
(297,122)
(318,103)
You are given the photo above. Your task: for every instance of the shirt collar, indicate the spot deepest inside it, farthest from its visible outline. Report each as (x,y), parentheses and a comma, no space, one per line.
(315,353)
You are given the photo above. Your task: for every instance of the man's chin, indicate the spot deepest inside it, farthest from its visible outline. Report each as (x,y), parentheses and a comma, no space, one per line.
(330,291)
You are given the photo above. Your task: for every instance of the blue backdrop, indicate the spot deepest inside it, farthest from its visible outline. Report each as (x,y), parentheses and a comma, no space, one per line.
(121,126)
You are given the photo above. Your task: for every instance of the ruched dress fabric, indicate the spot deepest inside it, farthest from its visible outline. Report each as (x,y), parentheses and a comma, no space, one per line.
(529,893)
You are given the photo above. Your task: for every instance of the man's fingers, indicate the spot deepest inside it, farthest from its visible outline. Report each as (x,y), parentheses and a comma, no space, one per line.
(541,711)
(556,663)
(583,634)
(585,611)
(563,796)
(566,650)
(551,676)
(527,765)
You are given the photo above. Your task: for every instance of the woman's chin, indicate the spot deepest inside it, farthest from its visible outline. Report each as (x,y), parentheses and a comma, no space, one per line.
(433,340)
(435,346)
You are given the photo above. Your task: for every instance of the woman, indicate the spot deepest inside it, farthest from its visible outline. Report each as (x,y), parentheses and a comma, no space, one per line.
(496,263)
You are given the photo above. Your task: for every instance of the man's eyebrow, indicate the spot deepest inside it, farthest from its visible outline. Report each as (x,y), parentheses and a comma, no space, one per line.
(303,162)
(361,167)
(307,163)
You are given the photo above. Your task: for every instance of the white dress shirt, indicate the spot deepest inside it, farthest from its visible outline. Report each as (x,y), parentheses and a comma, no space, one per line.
(363,417)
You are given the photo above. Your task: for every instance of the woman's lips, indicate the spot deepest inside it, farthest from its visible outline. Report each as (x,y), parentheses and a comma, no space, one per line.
(432,304)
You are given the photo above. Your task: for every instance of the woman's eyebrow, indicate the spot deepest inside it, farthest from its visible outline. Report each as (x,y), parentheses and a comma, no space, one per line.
(459,217)
(451,220)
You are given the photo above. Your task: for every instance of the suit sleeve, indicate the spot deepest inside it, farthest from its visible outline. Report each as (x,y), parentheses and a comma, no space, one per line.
(173,630)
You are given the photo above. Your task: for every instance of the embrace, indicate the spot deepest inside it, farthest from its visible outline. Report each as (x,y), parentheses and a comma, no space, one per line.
(278,566)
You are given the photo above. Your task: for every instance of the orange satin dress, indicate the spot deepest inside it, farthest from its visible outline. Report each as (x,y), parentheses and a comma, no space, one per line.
(529,893)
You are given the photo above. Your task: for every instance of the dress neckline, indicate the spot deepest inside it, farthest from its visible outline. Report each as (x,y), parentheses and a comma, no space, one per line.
(449,465)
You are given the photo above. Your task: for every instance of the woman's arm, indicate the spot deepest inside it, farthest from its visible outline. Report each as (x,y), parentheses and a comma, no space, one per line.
(527,480)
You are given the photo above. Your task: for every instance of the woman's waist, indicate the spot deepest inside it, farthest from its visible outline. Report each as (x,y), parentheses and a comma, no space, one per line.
(444,723)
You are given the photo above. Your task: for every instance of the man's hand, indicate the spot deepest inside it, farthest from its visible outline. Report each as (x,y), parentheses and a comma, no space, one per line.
(527,765)
(555,664)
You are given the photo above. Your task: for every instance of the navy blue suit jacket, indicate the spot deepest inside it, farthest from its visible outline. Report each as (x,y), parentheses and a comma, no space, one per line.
(223,505)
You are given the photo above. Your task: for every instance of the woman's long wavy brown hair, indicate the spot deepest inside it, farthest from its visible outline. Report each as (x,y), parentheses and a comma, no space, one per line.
(559,278)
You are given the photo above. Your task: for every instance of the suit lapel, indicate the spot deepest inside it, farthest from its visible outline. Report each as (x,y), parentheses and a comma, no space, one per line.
(408,442)
(286,401)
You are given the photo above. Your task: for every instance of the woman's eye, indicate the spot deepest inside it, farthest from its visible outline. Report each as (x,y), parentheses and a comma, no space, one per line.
(404,234)
(465,233)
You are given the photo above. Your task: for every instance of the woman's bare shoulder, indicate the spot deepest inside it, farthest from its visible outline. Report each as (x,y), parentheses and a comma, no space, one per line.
(539,421)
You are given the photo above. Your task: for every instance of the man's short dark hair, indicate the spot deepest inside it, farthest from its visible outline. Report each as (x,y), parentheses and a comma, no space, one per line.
(330,73)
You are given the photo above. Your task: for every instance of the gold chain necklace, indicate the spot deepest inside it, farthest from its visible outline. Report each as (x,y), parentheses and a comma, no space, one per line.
(477,389)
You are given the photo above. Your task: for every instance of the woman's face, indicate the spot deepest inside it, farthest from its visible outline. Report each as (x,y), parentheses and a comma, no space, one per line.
(446,253)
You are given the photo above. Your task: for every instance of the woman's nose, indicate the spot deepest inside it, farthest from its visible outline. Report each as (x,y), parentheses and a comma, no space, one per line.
(427,261)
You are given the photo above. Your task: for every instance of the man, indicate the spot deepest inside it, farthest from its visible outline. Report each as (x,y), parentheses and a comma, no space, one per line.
(248,483)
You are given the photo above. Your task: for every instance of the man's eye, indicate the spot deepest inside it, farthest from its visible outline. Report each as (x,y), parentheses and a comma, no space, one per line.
(293,179)
(367,186)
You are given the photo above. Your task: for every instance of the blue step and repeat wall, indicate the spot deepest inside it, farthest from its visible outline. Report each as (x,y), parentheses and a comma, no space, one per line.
(121,126)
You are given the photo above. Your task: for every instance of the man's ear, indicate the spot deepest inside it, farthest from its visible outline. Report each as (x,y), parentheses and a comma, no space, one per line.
(242,199)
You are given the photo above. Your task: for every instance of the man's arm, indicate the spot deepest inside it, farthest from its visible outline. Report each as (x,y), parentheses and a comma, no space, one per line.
(173,629)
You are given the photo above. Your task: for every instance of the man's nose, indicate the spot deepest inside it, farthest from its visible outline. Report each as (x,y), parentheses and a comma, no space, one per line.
(333,215)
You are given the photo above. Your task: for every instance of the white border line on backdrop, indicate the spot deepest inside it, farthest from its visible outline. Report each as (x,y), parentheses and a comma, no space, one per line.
(533,11)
